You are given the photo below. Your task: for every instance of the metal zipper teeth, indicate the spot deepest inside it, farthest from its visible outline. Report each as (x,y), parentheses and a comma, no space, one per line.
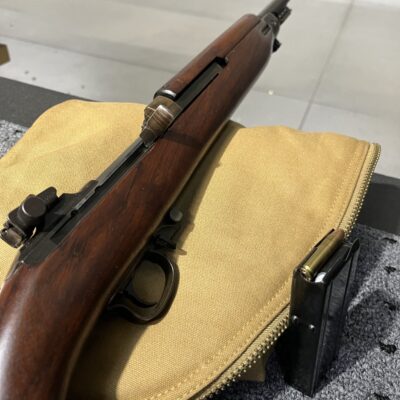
(351,215)
(347,224)
(276,328)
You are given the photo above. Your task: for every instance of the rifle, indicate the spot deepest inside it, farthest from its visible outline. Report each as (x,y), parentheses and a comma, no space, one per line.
(79,250)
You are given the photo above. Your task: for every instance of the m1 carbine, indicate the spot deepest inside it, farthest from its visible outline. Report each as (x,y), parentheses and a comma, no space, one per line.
(79,250)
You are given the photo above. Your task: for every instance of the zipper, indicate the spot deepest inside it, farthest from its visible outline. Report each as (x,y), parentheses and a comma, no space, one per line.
(274,330)
(257,349)
(353,210)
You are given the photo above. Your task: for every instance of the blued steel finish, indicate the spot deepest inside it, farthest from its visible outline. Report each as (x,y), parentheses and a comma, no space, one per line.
(67,272)
(165,108)
(134,308)
(277,7)
(318,309)
(138,308)
(28,217)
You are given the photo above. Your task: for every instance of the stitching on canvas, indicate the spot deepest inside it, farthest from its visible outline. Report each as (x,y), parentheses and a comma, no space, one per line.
(249,322)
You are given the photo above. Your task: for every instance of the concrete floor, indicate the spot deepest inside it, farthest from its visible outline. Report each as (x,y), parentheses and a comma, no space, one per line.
(338,68)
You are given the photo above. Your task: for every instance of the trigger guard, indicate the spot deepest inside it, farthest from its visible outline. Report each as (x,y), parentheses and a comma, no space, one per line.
(125,304)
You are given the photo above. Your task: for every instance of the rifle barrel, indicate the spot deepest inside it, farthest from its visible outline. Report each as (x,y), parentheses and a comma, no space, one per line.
(277,7)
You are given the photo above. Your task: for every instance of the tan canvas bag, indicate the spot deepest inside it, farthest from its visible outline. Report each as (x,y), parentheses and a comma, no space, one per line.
(256,205)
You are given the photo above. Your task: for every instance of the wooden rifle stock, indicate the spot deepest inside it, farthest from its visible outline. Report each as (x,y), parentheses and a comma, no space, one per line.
(50,302)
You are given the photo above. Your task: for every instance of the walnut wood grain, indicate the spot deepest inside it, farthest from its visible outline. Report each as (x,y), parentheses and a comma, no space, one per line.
(47,310)
(220,48)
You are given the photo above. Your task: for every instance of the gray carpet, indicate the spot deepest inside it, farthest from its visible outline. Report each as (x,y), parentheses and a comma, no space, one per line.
(9,135)
(368,365)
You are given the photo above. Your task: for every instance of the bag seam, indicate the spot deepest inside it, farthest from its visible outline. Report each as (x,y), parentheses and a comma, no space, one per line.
(342,191)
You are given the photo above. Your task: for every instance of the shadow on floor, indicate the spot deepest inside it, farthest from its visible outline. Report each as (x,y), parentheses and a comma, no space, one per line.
(381,209)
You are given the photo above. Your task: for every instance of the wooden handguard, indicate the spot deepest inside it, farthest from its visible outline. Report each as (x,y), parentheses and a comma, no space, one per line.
(219,48)
(48,309)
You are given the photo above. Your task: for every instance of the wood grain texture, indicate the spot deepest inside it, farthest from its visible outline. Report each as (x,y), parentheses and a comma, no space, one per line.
(220,48)
(47,310)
